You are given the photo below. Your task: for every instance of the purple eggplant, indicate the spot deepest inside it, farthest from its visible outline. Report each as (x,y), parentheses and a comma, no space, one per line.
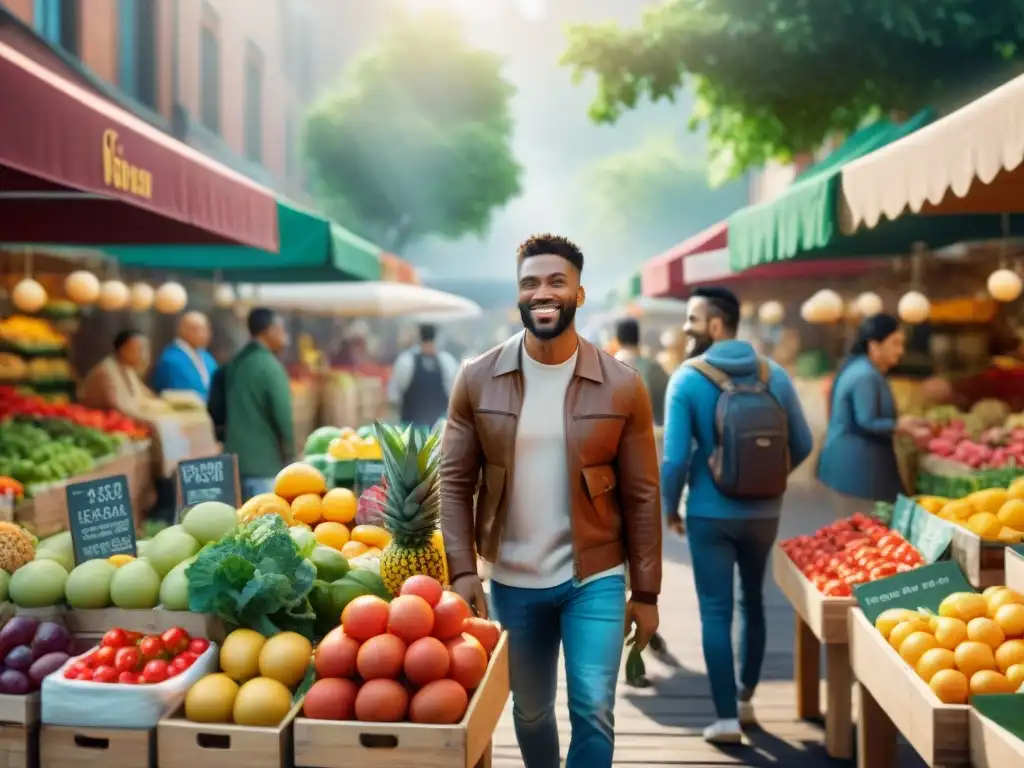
(20,658)
(46,665)
(14,682)
(51,637)
(18,631)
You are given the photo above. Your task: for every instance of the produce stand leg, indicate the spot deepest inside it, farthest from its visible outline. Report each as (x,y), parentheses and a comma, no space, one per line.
(876,735)
(807,672)
(485,758)
(838,714)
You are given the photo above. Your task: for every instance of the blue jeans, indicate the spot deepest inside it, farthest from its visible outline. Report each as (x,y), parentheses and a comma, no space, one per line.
(717,548)
(254,486)
(588,620)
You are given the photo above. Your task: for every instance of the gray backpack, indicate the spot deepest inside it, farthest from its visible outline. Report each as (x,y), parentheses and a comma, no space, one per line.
(751,455)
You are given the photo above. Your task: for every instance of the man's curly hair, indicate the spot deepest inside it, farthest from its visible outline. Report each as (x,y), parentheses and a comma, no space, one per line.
(538,245)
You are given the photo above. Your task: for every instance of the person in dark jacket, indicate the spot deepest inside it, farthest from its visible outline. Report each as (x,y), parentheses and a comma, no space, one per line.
(863,421)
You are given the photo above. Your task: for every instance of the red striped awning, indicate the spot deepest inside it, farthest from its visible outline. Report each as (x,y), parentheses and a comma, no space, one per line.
(663,276)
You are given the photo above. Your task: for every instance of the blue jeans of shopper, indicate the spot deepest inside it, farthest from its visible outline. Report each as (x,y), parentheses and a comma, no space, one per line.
(588,621)
(718,547)
(254,486)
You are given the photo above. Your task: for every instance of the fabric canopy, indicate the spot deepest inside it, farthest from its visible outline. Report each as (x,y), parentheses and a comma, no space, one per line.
(935,170)
(361,300)
(626,291)
(713,267)
(664,274)
(312,249)
(76,169)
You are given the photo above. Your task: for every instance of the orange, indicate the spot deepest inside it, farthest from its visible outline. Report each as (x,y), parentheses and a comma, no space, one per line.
(352,548)
(949,632)
(340,505)
(307,509)
(266,504)
(297,479)
(1010,619)
(988,681)
(989,591)
(1001,597)
(1016,489)
(333,535)
(985,524)
(950,686)
(914,647)
(905,629)
(1015,675)
(973,657)
(889,618)
(988,501)
(957,510)
(1008,654)
(964,606)
(1011,514)
(932,661)
(985,631)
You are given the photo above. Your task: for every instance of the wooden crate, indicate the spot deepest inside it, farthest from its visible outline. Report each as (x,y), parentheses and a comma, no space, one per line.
(184,744)
(981,561)
(327,744)
(1013,569)
(19,731)
(152,621)
(992,746)
(64,747)
(893,698)
(820,620)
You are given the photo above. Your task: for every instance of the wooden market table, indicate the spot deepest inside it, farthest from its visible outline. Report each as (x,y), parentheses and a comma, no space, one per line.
(1014,569)
(820,620)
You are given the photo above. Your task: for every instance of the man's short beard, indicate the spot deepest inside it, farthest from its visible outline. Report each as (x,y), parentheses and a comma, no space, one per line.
(566,314)
(699,345)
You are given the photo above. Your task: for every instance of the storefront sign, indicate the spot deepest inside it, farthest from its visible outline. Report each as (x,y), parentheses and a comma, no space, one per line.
(923,587)
(119,173)
(100,518)
(214,478)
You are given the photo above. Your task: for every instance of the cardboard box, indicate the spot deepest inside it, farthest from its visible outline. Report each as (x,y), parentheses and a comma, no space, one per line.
(64,747)
(184,744)
(331,744)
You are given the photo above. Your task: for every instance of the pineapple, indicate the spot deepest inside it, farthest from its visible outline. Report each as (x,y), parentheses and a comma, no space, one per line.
(411,512)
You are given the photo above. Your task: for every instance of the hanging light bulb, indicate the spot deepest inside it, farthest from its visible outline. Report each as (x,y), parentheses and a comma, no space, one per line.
(142,297)
(113,296)
(82,287)
(28,296)
(1004,285)
(869,304)
(914,308)
(826,306)
(171,298)
(223,295)
(771,313)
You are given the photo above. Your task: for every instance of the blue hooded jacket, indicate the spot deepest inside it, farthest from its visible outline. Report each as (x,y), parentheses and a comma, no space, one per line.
(690,434)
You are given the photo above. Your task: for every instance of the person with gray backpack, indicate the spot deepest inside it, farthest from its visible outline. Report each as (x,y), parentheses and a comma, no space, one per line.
(734,430)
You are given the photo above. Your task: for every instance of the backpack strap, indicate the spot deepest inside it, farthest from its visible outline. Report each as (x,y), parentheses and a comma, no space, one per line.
(714,375)
(764,371)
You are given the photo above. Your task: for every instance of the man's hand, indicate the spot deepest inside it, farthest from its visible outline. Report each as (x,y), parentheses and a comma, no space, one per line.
(676,525)
(471,589)
(642,618)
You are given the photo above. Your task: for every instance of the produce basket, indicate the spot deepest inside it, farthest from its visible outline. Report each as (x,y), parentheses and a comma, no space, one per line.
(332,744)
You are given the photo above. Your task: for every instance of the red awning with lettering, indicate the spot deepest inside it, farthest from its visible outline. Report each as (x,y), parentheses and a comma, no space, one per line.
(77,170)
(662,276)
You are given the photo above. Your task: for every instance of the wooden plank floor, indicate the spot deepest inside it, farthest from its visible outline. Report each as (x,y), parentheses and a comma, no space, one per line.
(661,726)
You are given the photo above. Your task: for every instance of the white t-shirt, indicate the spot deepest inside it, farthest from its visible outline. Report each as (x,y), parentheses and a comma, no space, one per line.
(536,545)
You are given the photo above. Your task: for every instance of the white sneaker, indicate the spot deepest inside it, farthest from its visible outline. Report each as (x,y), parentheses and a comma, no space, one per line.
(745,710)
(724,732)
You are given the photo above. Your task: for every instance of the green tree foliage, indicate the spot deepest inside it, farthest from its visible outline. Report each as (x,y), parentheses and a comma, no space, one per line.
(774,78)
(416,138)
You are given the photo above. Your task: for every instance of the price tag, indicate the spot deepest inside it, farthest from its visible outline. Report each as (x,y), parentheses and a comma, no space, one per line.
(100,518)
(903,513)
(214,478)
(923,587)
(930,535)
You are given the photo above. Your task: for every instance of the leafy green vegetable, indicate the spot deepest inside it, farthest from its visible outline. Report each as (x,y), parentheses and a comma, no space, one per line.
(256,578)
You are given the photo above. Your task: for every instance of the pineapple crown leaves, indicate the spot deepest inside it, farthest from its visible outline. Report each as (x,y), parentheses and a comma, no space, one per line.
(411,462)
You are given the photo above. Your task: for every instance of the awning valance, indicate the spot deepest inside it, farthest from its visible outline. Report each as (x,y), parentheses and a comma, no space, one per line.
(374,299)
(968,162)
(664,275)
(76,169)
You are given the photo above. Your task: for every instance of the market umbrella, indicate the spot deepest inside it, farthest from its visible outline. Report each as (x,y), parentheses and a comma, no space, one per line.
(371,299)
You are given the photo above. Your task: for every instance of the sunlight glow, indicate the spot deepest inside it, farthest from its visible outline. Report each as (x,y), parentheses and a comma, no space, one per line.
(482,10)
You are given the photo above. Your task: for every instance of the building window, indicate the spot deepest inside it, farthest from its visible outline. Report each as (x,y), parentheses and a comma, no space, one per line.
(209,71)
(254,104)
(58,21)
(137,20)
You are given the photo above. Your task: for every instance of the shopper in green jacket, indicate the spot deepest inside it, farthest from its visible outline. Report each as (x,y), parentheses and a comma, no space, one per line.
(251,401)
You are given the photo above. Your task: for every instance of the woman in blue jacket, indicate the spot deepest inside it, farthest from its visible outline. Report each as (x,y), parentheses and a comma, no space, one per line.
(858,460)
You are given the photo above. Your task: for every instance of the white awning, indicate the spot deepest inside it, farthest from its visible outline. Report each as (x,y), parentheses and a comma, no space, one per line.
(361,300)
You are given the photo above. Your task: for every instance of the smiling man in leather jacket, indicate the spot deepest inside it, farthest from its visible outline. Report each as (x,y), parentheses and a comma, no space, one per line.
(557,438)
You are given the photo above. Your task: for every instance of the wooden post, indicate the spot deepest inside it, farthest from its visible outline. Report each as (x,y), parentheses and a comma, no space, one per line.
(838,706)
(807,671)
(876,734)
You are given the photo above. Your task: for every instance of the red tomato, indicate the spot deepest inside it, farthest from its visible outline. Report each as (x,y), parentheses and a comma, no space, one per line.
(105,656)
(128,659)
(105,674)
(175,640)
(128,678)
(133,638)
(903,568)
(155,671)
(72,671)
(152,647)
(115,638)
(90,660)
(881,571)
(186,659)
(198,646)
(85,674)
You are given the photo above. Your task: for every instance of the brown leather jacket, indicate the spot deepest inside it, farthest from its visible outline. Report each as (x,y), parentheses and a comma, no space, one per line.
(616,506)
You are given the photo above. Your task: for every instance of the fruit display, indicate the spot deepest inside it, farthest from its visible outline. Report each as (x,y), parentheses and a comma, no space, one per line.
(256,680)
(417,659)
(849,552)
(40,411)
(11,487)
(131,658)
(30,335)
(342,444)
(30,455)
(994,514)
(973,645)
(989,436)
(29,651)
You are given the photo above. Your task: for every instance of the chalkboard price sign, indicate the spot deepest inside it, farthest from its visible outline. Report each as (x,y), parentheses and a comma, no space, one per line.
(214,478)
(100,517)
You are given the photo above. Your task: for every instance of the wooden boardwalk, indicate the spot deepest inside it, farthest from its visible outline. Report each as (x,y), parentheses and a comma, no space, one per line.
(661,726)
